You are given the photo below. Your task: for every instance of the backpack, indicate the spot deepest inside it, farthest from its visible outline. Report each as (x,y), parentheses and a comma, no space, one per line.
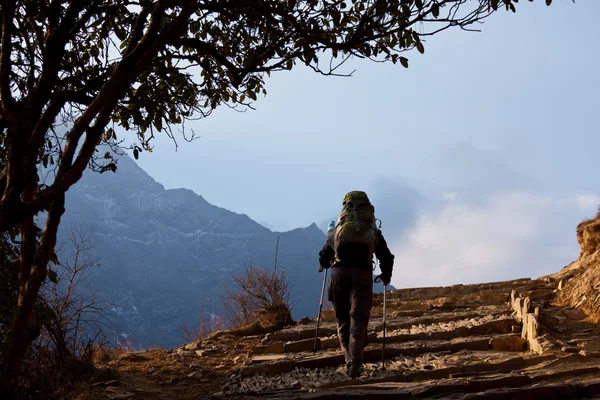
(355,228)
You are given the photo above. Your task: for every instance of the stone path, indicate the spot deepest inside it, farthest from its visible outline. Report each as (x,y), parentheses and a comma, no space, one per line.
(491,341)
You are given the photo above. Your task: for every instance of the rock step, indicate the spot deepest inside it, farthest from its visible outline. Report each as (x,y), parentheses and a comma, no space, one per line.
(457,302)
(392,313)
(429,293)
(373,353)
(409,323)
(512,386)
(443,303)
(502,326)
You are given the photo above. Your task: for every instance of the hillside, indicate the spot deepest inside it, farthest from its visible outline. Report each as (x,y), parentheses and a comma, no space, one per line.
(580,280)
(487,341)
(161,250)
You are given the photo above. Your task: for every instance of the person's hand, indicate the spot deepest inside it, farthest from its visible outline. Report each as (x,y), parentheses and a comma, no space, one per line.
(322,267)
(323,264)
(385,278)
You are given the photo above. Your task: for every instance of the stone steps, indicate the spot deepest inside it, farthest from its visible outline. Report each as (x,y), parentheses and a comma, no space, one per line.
(328,329)
(407,323)
(327,338)
(458,302)
(441,366)
(431,293)
(463,341)
(515,385)
(373,353)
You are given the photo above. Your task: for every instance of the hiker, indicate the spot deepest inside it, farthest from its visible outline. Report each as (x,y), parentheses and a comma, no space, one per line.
(355,238)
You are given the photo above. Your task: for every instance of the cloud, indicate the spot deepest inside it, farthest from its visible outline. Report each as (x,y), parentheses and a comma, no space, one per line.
(501,236)
(586,202)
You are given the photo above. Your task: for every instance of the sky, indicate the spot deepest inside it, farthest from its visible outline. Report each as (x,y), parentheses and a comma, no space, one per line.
(480,158)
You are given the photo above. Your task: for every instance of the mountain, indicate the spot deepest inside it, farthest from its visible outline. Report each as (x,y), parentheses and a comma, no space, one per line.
(162,250)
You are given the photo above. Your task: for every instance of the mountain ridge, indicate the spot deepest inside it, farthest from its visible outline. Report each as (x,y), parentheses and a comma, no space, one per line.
(163,250)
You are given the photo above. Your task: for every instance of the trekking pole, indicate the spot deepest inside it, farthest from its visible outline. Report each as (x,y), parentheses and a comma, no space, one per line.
(384,318)
(320,308)
(377,280)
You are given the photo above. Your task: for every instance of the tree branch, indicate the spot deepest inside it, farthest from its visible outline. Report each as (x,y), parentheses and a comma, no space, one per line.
(203,47)
(7,99)
(102,107)
(138,28)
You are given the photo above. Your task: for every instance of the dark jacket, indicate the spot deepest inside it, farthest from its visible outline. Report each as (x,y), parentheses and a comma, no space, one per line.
(382,252)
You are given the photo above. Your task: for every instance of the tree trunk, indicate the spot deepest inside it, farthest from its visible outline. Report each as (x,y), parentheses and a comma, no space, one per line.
(32,274)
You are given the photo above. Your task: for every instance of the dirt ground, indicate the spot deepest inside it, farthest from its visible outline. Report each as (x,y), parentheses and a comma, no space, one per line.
(175,374)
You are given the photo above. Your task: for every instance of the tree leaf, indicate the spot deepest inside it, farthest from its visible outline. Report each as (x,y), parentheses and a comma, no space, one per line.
(53,258)
(420,47)
(404,62)
(52,276)
(548,2)
(136,153)
(435,10)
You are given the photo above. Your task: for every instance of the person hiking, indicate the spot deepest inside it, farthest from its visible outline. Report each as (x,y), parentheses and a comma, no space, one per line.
(349,250)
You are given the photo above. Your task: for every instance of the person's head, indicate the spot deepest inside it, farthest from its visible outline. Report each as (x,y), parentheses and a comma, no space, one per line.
(331,225)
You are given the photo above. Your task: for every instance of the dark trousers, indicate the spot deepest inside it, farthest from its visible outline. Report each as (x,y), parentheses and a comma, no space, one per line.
(351,292)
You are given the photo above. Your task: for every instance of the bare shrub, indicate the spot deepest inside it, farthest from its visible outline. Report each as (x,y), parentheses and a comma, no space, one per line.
(72,321)
(258,294)
(79,317)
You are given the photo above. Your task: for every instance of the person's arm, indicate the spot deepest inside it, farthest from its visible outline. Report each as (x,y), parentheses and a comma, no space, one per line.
(325,256)
(385,257)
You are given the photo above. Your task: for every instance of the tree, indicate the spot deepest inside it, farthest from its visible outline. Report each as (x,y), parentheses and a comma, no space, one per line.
(72,71)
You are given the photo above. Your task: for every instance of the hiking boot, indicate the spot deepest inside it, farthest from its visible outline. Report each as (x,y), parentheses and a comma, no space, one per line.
(353,371)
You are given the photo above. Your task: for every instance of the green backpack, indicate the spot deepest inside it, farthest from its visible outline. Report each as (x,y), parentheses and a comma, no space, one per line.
(356,223)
